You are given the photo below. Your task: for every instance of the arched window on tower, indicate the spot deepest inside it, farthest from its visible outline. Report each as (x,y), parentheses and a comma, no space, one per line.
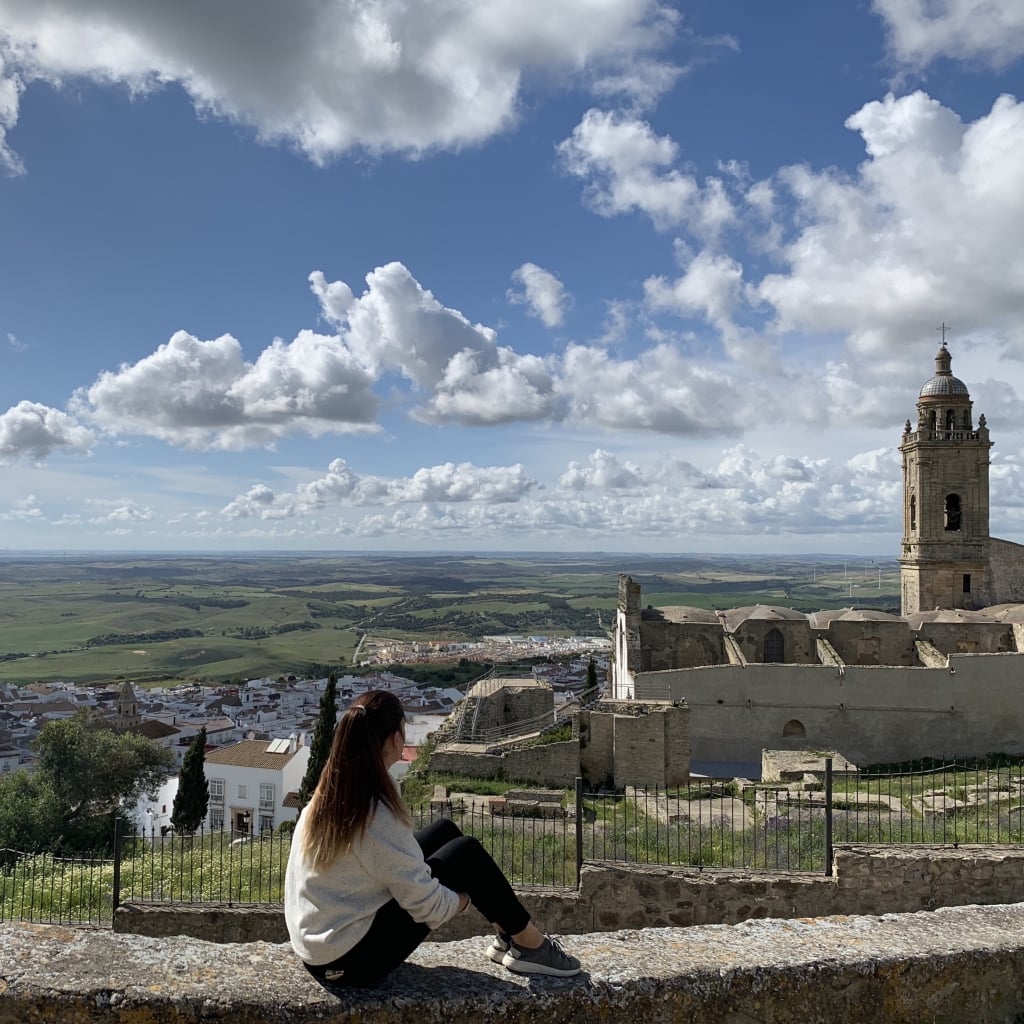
(950,419)
(967,419)
(913,512)
(952,511)
(774,648)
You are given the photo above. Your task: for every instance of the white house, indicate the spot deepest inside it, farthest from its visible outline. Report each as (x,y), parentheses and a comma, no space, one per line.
(250,781)
(152,814)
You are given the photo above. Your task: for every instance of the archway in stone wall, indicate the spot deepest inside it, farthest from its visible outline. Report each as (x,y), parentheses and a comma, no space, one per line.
(774,648)
(794,730)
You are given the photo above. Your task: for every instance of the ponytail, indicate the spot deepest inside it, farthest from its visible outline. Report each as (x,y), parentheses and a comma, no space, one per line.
(354,779)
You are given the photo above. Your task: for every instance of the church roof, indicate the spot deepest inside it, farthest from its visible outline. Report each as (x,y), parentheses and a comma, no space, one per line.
(684,613)
(762,612)
(950,615)
(1005,612)
(940,386)
(821,619)
(153,729)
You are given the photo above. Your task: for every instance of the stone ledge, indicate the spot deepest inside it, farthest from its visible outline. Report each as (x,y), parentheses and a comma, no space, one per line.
(949,965)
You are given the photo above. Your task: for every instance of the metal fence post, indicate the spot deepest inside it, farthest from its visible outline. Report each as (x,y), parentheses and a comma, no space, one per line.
(579,830)
(116,898)
(828,816)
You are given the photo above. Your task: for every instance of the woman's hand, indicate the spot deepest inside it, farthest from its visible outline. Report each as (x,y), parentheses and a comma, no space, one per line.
(463,901)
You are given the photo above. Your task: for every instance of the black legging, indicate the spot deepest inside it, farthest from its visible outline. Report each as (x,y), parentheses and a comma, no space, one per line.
(460,863)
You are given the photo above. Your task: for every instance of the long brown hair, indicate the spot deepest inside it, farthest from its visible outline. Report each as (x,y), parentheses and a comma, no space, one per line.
(354,779)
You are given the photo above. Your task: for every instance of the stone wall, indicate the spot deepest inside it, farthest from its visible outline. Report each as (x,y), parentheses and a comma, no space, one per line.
(549,764)
(870,714)
(504,703)
(944,967)
(796,633)
(527,703)
(1006,571)
(596,735)
(969,637)
(675,645)
(865,880)
(634,743)
(877,642)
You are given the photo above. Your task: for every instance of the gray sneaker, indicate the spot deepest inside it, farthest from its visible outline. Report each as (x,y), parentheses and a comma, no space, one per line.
(499,946)
(547,958)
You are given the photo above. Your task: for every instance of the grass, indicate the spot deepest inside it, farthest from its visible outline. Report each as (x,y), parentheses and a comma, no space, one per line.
(418,789)
(783,832)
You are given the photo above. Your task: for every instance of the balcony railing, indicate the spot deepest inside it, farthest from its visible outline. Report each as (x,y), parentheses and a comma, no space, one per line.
(942,435)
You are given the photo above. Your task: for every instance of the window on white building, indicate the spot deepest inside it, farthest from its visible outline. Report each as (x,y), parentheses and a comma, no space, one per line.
(266,823)
(266,796)
(243,792)
(217,819)
(216,791)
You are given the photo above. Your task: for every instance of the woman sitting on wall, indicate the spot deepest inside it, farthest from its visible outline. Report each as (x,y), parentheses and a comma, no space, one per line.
(362,891)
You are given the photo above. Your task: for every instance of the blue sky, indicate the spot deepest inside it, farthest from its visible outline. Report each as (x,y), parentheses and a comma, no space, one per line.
(499,274)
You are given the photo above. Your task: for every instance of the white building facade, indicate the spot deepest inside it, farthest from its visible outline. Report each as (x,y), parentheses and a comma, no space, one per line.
(250,782)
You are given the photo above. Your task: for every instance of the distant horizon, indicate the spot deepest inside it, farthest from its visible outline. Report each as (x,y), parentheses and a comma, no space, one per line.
(412,553)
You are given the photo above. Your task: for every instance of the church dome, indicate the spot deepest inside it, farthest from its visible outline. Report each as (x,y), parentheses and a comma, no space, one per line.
(944,384)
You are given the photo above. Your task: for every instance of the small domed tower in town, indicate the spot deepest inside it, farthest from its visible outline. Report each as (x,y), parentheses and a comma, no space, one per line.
(944,561)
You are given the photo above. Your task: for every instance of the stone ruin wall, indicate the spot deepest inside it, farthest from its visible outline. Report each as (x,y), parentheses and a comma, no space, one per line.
(510,704)
(631,743)
(550,764)
(618,744)
(666,645)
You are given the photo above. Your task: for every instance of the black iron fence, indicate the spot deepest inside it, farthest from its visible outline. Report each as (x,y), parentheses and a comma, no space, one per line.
(789,825)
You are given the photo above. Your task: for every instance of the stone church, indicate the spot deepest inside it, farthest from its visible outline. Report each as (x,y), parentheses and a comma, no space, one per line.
(946,677)
(948,559)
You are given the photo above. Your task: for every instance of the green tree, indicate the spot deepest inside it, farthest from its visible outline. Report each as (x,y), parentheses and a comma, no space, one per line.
(91,772)
(591,676)
(323,734)
(193,797)
(30,816)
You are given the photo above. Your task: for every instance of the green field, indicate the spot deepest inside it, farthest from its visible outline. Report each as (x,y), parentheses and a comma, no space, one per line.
(164,619)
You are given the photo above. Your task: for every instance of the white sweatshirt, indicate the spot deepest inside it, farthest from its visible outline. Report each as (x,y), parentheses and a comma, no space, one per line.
(328,910)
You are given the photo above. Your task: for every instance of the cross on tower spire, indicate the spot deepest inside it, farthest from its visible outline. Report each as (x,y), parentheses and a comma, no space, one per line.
(943,328)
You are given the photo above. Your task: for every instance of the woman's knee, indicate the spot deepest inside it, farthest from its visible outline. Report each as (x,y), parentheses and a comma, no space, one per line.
(464,851)
(437,834)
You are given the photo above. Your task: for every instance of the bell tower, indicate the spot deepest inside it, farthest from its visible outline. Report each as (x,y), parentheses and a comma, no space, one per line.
(945,551)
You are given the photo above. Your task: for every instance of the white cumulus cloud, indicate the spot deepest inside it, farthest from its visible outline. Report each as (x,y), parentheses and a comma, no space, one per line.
(397,325)
(920,31)
(34,431)
(341,487)
(328,75)
(627,167)
(204,394)
(931,222)
(542,293)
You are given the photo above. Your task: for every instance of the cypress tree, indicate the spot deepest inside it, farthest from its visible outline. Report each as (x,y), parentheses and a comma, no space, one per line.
(591,676)
(193,797)
(323,735)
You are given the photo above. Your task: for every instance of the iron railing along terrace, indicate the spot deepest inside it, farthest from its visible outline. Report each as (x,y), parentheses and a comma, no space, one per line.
(785,826)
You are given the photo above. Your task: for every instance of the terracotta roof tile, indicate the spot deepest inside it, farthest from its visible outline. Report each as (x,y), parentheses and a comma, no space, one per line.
(250,754)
